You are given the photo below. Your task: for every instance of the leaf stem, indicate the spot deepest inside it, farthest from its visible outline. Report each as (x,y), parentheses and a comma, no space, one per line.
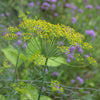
(16,65)
(43,78)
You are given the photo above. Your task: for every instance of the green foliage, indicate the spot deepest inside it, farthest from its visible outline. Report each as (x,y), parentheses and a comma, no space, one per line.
(11,54)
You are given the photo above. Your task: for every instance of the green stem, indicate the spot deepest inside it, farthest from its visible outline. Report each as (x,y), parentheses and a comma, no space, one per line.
(43,78)
(16,66)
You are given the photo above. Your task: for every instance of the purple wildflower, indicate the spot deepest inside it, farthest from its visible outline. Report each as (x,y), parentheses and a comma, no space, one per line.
(38,3)
(90,32)
(55,14)
(97,7)
(73,20)
(53,6)
(80,10)
(70,56)
(86,56)
(96,28)
(53,0)
(24,45)
(10,79)
(4,33)
(77,46)
(72,81)
(19,34)
(7,14)
(2,15)
(55,73)
(45,6)
(80,50)
(89,6)
(73,6)
(19,42)
(67,5)
(60,43)
(68,60)
(31,4)
(80,80)
(72,49)
(43,88)
(5,29)
(46,71)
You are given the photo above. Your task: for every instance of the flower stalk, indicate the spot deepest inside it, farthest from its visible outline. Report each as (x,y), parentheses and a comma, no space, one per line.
(43,79)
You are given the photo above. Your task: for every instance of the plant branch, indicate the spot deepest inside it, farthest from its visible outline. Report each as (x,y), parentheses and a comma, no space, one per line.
(43,78)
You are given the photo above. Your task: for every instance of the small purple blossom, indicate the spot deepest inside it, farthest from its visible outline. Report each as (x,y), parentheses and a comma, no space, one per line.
(67,5)
(60,43)
(31,4)
(90,32)
(2,15)
(5,29)
(68,60)
(73,6)
(89,6)
(86,56)
(55,14)
(38,3)
(96,28)
(4,33)
(24,45)
(97,7)
(80,80)
(77,46)
(7,14)
(73,20)
(80,50)
(80,10)
(70,56)
(19,42)
(53,7)
(19,34)
(43,88)
(46,71)
(72,49)
(72,81)
(53,0)
(55,73)
(10,78)
(45,6)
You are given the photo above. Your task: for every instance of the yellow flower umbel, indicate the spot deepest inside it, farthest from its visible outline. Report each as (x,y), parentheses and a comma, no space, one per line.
(43,38)
(55,85)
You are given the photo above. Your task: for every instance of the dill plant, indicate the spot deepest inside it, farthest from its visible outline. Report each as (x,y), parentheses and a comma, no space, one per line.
(47,42)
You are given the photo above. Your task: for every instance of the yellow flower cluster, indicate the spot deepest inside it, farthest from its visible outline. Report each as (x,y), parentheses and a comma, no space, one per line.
(92,61)
(56,86)
(46,30)
(38,59)
(20,88)
(33,28)
(87,46)
(79,59)
(63,49)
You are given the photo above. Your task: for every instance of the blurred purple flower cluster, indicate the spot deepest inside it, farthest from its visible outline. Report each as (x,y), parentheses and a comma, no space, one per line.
(81,80)
(2,15)
(90,32)
(72,50)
